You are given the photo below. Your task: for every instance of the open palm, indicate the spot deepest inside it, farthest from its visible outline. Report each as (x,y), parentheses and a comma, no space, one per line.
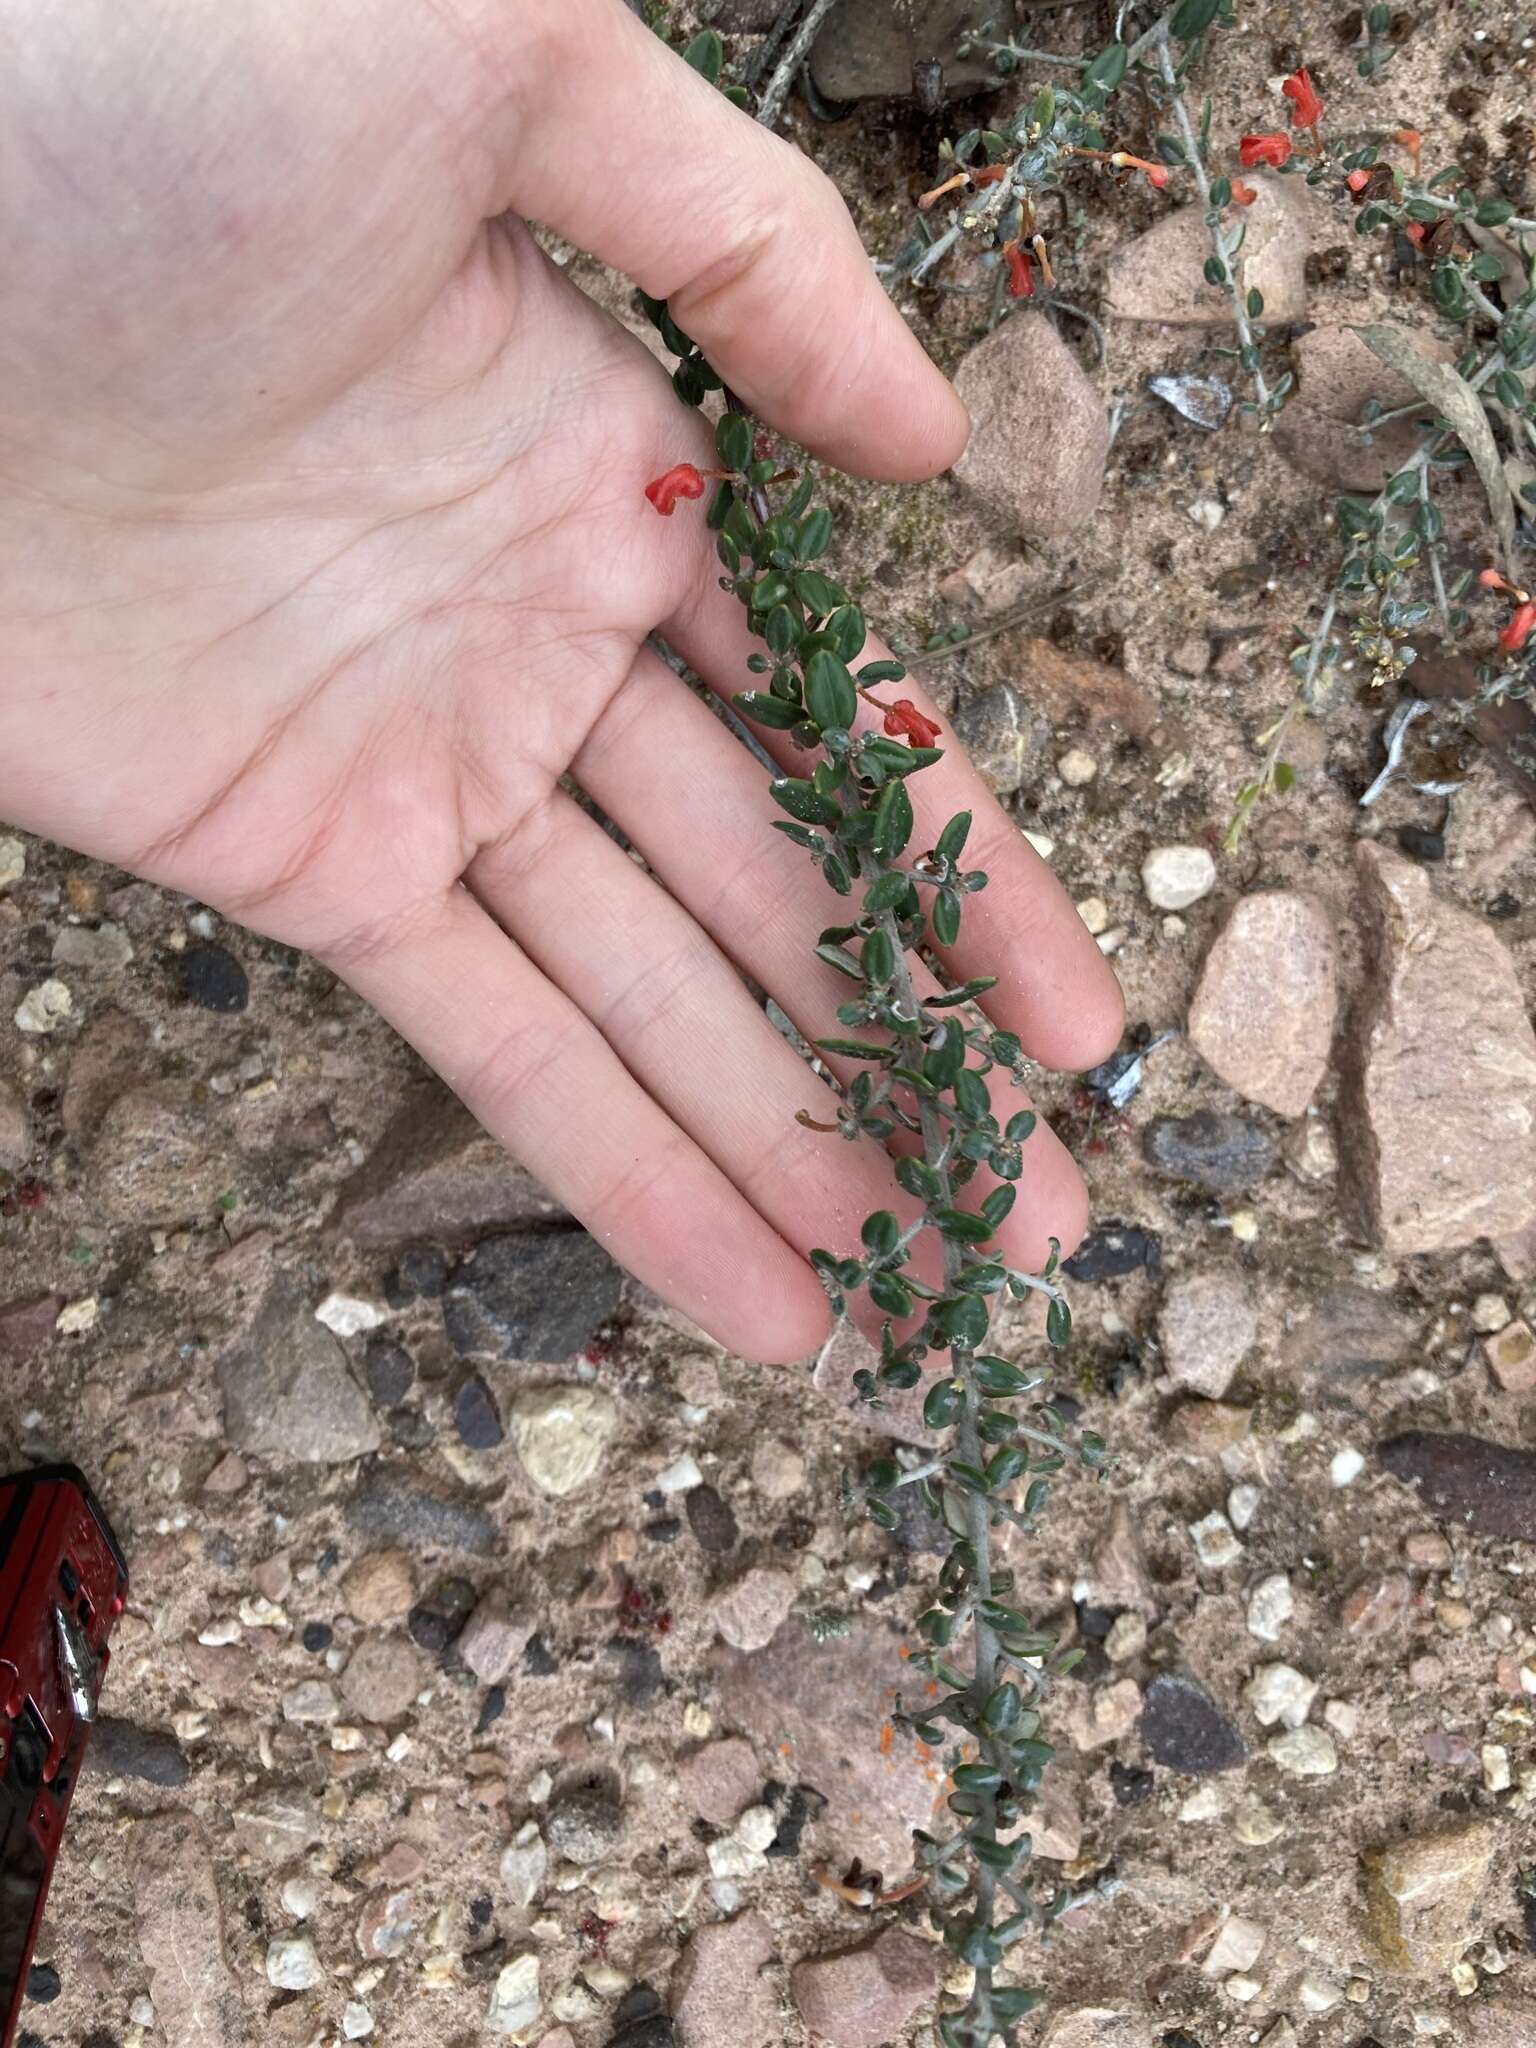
(325,558)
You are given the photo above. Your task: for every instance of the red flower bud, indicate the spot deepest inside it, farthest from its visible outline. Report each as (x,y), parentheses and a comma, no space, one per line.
(1306,107)
(1521,626)
(1416,231)
(1021,279)
(682,480)
(1272,149)
(1242,195)
(1156,174)
(1358,180)
(903,720)
(989,174)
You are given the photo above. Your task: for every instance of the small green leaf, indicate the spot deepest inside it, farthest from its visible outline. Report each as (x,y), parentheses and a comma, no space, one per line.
(1107,70)
(889,892)
(818,593)
(815,532)
(793,794)
(733,439)
(946,917)
(882,672)
(847,630)
(830,696)
(878,958)
(918,1178)
(765,710)
(1191,19)
(1058,1322)
(706,54)
(893,820)
(952,839)
(1492,213)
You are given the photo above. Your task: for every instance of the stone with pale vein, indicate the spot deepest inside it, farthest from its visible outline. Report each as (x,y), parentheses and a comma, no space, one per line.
(1439,1138)
(1263,1013)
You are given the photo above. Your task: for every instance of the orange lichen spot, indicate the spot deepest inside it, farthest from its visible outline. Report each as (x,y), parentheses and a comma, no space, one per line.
(887,1737)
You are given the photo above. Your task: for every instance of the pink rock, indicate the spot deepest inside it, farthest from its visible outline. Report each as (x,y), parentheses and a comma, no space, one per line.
(1318,430)
(820,1710)
(719,1995)
(1208,1327)
(1377,1604)
(1039,434)
(382,1679)
(493,1640)
(720,1779)
(750,1611)
(1263,1012)
(26,1325)
(1159,275)
(181,1935)
(861,1997)
(436,1173)
(1440,1105)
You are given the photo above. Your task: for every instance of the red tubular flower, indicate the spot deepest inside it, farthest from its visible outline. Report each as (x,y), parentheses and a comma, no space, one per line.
(903,720)
(682,480)
(989,174)
(1272,149)
(1021,278)
(1490,579)
(1306,107)
(1242,195)
(1411,140)
(1416,231)
(1156,174)
(1358,180)
(1522,625)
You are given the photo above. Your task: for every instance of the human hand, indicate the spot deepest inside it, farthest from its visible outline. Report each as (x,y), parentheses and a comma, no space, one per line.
(323,557)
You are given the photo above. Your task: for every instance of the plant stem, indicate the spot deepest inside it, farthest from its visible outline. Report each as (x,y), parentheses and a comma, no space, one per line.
(1219,241)
(777,90)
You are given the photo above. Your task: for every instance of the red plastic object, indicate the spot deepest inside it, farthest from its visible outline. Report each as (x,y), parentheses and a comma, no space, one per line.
(63,1581)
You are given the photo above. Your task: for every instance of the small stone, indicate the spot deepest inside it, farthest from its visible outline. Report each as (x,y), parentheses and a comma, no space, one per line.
(866,51)
(559,1434)
(1174,877)
(1208,1326)
(421,1275)
(13,862)
(1309,1150)
(1494,1758)
(1305,1752)
(347,1315)
(523,1865)
(1421,844)
(1441,1100)
(1345,1467)
(356,2020)
(720,1779)
(1094,912)
(1256,1825)
(1262,1015)
(98,949)
(1001,734)
(123,1749)
(749,1612)
(862,1997)
(584,1821)
(382,1679)
(1243,1504)
(1204,1429)
(1097,2026)
(1039,434)
(493,1640)
(289,1391)
(1192,657)
(539,1297)
(292,1964)
(15,1130)
(1484,1487)
(1077,768)
(1377,1604)
(1279,1692)
(1160,274)
(1419,1895)
(311,1703)
(1127,1638)
(1238,1945)
(1428,1549)
(1223,1153)
(710,1518)
(213,978)
(1215,1543)
(515,2002)
(719,1996)
(1105,1715)
(475,1416)
(778,1470)
(419,1519)
(1490,1314)
(1511,1357)
(1319,1993)
(1271,1605)
(1113,1250)
(1343,1717)
(75,1318)
(1185,1730)
(380,1587)
(44,1008)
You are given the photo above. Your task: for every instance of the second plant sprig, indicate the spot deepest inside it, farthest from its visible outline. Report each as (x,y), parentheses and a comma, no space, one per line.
(925,1065)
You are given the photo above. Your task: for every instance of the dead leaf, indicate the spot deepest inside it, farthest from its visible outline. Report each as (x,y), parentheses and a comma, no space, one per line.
(1453,397)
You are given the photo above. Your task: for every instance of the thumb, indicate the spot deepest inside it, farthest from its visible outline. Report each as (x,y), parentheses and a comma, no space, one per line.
(625,150)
